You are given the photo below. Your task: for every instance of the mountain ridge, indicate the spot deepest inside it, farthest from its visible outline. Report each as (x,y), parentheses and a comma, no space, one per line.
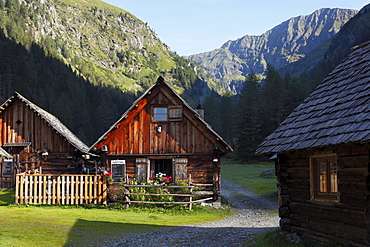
(331,52)
(283,44)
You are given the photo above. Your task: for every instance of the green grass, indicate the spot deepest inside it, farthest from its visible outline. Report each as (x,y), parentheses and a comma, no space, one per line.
(272,238)
(277,239)
(23,225)
(250,175)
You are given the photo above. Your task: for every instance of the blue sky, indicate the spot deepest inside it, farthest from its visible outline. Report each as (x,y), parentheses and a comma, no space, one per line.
(195,26)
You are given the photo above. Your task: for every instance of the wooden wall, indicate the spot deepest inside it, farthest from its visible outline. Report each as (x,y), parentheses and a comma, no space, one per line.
(137,133)
(19,124)
(201,168)
(323,221)
(31,129)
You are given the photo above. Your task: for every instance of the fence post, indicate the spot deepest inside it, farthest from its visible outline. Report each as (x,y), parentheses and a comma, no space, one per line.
(127,197)
(16,189)
(191,198)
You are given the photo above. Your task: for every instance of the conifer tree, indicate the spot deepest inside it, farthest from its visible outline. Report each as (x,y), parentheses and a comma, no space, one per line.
(212,111)
(274,96)
(249,123)
(227,117)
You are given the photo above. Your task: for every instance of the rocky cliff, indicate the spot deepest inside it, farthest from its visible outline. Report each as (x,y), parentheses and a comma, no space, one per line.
(284,44)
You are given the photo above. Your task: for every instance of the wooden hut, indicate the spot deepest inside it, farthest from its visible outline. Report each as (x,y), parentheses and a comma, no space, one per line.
(160,132)
(322,153)
(32,138)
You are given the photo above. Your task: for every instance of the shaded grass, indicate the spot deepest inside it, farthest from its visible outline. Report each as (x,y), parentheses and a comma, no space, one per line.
(27,225)
(272,238)
(250,175)
(277,238)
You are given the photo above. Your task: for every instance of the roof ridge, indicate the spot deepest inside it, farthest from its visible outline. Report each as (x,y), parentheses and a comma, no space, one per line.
(356,47)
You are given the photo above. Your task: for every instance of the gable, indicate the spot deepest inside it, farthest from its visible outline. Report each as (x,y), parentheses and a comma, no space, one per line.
(22,121)
(337,112)
(139,132)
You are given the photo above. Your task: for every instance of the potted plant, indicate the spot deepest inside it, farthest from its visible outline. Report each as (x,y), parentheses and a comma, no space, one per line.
(107,174)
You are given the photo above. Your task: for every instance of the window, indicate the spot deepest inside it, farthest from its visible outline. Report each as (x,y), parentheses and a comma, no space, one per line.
(163,166)
(324,181)
(160,114)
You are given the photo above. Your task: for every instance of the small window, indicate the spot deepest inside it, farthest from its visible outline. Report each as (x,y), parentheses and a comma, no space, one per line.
(324,180)
(160,114)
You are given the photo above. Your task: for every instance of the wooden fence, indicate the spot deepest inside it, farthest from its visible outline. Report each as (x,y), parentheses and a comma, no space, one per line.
(60,189)
(189,193)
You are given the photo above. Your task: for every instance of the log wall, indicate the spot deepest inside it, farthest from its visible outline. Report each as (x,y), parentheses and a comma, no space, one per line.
(326,220)
(201,169)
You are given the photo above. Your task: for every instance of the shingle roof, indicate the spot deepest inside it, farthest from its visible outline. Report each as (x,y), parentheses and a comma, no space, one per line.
(337,112)
(54,122)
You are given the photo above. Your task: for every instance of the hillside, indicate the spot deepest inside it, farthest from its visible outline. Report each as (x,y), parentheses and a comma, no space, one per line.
(284,44)
(86,61)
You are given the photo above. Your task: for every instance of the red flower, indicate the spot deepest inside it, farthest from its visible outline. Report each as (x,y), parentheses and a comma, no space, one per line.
(108,174)
(151,178)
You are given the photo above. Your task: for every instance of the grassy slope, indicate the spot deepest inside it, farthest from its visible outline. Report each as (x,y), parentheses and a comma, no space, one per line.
(250,175)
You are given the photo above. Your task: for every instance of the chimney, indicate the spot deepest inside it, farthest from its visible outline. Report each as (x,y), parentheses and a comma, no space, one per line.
(200,111)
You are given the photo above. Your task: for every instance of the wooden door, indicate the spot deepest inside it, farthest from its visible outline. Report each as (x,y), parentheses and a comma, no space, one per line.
(180,169)
(142,170)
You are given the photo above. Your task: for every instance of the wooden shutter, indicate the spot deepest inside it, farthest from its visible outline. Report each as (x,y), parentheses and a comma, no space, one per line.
(180,169)
(142,170)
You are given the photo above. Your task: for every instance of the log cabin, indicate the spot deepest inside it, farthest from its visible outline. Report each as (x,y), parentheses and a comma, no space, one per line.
(32,139)
(161,133)
(322,157)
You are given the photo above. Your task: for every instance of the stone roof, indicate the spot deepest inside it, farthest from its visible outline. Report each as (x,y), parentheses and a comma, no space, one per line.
(53,121)
(337,112)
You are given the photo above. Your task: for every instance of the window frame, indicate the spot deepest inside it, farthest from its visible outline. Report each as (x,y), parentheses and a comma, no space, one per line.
(154,114)
(325,181)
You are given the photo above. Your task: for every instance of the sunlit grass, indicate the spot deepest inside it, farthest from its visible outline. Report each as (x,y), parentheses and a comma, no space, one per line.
(82,226)
(94,226)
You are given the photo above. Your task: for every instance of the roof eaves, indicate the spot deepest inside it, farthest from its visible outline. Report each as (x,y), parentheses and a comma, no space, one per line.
(55,124)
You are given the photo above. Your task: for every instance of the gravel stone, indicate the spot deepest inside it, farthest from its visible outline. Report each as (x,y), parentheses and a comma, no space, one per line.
(253,214)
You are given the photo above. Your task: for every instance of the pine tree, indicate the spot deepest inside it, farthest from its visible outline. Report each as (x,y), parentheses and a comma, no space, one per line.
(249,124)
(227,117)
(212,111)
(274,97)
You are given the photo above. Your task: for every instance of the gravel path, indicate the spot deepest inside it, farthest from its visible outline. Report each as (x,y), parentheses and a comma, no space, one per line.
(252,214)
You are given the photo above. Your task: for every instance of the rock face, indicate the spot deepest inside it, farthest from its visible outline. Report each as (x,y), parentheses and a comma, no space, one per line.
(284,44)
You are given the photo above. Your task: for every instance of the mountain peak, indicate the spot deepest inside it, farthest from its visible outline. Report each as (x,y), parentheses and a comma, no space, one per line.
(285,43)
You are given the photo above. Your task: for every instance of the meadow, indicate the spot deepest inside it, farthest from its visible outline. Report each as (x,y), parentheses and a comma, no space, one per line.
(93,225)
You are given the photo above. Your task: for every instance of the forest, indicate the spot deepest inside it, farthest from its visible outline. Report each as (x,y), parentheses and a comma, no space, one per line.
(244,120)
